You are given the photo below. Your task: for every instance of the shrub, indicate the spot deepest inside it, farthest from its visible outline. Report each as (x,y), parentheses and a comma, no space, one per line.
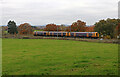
(107,37)
(25,37)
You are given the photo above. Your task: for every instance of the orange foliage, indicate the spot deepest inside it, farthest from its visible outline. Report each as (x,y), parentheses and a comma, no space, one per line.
(52,27)
(68,29)
(78,26)
(25,29)
(90,29)
(118,29)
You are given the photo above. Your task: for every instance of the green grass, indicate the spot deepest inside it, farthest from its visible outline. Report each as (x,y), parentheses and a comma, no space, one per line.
(58,57)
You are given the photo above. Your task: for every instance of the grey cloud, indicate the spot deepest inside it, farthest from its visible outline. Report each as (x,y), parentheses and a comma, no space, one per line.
(38,12)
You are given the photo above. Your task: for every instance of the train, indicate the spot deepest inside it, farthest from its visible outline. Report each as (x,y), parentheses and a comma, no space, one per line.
(67,34)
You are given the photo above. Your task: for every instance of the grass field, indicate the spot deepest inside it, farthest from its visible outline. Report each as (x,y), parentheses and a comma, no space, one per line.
(58,57)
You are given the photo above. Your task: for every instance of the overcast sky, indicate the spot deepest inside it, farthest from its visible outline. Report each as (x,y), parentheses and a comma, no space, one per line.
(40,12)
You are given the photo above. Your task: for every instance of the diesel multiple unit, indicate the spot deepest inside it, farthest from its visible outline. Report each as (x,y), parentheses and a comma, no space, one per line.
(67,34)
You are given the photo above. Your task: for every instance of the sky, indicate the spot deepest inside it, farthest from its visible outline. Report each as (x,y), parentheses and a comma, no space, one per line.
(41,12)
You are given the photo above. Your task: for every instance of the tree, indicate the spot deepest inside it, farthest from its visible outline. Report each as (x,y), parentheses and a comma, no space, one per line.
(12,28)
(106,27)
(68,28)
(78,26)
(25,29)
(52,27)
(62,27)
(90,29)
(117,30)
(4,30)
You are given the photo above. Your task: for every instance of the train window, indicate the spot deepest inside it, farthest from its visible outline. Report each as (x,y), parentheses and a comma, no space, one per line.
(84,34)
(96,34)
(59,33)
(64,33)
(55,33)
(77,34)
(50,33)
(72,34)
(44,32)
(90,34)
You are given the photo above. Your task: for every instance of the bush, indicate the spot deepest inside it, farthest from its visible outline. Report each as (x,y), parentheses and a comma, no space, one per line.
(107,37)
(25,37)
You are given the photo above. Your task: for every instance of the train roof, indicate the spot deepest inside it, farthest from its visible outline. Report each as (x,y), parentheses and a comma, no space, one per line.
(65,32)
(83,32)
(49,31)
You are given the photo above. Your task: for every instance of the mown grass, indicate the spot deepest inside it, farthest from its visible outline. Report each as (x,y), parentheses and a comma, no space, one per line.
(58,57)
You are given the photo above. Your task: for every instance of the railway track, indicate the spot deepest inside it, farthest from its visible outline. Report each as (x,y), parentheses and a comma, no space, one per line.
(116,41)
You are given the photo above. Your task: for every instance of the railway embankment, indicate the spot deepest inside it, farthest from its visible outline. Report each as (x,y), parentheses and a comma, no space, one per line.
(115,41)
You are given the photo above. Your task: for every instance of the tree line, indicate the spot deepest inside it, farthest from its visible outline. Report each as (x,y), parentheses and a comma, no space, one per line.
(78,26)
(108,27)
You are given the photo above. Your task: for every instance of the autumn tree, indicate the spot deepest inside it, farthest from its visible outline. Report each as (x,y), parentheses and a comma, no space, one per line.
(25,29)
(89,28)
(12,28)
(62,27)
(68,28)
(78,26)
(117,30)
(52,27)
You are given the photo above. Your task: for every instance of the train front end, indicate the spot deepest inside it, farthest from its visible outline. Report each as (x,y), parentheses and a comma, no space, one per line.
(96,34)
